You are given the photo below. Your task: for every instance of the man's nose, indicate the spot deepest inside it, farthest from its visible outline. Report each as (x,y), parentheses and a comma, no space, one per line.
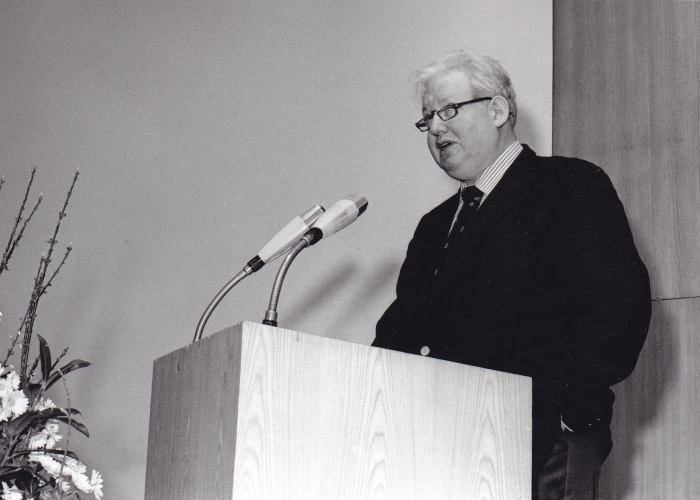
(437,125)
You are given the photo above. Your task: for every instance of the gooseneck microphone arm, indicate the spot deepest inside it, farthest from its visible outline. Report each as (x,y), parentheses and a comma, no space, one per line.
(244,273)
(340,215)
(271,313)
(280,243)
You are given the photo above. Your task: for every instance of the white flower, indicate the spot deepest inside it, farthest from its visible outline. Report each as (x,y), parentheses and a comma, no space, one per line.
(52,436)
(65,486)
(76,471)
(5,387)
(74,466)
(44,404)
(13,379)
(5,412)
(16,402)
(37,441)
(10,492)
(13,404)
(81,482)
(47,437)
(96,484)
(9,383)
(51,466)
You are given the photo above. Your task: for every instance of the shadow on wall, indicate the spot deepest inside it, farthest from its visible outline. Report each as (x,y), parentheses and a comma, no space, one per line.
(337,287)
(638,403)
(312,303)
(382,277)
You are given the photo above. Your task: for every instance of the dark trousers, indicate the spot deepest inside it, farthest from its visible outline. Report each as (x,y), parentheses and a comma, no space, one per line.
(573,469)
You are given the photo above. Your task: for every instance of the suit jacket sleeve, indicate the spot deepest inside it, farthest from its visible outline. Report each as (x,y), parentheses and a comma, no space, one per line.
(393,326)
(606,295)
(397,326)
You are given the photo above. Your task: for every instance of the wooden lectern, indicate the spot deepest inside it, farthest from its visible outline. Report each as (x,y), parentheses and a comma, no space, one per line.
(255,412)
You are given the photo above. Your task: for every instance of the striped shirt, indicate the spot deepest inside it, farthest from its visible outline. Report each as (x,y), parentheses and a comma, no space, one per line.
(489,178)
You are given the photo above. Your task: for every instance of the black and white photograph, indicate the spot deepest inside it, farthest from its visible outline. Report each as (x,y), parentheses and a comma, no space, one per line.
(349,249)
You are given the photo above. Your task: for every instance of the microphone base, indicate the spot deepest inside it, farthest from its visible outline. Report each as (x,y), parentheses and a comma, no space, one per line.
(269,322)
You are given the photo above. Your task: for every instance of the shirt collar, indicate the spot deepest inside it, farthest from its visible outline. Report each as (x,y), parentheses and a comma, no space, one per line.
(489,178)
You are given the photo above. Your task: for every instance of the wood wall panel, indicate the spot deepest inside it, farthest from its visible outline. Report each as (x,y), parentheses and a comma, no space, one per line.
(626,98)
(656,454)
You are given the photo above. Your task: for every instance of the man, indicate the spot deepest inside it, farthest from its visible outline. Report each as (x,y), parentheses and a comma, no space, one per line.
(530,268)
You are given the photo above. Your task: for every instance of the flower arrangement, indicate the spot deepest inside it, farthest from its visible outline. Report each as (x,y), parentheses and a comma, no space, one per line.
(33,463)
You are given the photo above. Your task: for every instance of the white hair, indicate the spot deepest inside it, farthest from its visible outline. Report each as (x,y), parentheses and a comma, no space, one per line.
(486,76)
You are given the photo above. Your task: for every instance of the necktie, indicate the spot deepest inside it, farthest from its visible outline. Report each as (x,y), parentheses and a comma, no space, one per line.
(471,198)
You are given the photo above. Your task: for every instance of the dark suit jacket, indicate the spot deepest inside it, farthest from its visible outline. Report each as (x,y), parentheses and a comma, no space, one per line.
(544,282)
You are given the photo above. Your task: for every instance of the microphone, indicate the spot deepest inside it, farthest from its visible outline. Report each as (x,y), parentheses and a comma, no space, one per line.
(340,215)
(286,237)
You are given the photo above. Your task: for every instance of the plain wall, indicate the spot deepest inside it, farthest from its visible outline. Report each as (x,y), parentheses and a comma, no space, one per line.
(200,129)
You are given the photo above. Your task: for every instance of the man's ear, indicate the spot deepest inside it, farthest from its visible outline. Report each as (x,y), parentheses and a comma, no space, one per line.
(500,110)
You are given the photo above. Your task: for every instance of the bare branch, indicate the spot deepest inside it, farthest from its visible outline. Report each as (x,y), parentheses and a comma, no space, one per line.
(61,215)
(69,248)
(27,325)
(33,368)
(16,236)
(70,419)
(13,244)
(24,203)
(59,358)
(40,283)
(13,344)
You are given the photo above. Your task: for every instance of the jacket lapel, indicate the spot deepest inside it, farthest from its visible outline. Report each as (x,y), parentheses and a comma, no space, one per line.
(509,193)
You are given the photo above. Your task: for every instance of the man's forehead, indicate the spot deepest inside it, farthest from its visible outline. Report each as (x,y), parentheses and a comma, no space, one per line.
(445,88)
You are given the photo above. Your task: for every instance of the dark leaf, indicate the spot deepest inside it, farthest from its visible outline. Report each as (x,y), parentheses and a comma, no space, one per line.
(74,423)
(33,391)
(57,412)
(52,451)
(59,358)
(45,357)
(8,469)
(62,452)
(18,425)
(19,474)
(67,368)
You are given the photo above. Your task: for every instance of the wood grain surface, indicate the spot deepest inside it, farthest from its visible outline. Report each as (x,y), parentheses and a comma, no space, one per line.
(255,412)
(325,419)
(655,427)
(626,98)
(194,402)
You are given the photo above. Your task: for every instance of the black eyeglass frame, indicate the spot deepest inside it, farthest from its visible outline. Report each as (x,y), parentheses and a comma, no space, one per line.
(424,123)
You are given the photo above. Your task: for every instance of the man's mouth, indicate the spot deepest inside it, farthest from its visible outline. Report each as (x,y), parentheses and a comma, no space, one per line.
(443,145)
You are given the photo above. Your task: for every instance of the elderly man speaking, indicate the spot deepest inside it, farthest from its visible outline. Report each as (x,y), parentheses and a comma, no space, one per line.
(530,268)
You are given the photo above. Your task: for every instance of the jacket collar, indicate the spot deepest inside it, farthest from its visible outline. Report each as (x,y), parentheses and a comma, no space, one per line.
(510,192)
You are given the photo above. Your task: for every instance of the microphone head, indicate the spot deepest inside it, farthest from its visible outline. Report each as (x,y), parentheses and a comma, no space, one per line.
(360,202)
(289,234)
(338,216)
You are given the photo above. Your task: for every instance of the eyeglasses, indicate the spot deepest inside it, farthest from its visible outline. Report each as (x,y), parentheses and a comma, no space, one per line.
(446,113)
